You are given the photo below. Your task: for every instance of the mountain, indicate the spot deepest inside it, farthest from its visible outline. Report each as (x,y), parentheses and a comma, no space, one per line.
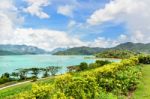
(80,51)
(58,49)
(20,49)
(135,47)
(6,53)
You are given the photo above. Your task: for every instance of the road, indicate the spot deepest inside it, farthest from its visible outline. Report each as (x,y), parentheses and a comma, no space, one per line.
(14,85)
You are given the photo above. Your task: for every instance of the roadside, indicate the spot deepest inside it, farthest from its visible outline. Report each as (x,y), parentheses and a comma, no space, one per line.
(143,90)
(14,85)
(23,82)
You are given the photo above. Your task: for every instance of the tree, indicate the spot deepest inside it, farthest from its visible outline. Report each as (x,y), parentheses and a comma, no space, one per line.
(7,75)
(35,71)
(5,78)
(15,74)
(45,70)
(53,70)
(23,73)
(83,66)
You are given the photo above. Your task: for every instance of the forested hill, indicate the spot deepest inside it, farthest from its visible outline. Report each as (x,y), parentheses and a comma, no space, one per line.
(135,47)
(121,54)
(80,51)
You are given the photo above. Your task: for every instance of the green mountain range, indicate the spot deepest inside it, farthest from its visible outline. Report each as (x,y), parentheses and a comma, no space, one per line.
(80,51)
(135,47)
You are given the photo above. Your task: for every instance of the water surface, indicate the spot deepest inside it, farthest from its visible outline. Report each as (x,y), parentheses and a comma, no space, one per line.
(12,62)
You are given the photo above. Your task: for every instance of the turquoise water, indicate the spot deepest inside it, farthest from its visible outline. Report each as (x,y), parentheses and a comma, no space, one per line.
(13,62)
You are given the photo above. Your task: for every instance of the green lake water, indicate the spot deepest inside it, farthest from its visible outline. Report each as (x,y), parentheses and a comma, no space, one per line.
(13,62)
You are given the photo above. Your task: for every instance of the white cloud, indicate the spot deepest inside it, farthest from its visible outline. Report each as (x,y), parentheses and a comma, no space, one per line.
(103,42)
(9,17)
(35,8)
(43,38)
(7,4)
(66,10)
(134,13)
(71,23)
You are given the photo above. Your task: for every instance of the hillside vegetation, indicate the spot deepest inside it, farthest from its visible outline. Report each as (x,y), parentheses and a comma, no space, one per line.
(116,54)
(80,51)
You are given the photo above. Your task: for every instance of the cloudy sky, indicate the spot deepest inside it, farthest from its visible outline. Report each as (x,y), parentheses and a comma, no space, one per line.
(49,24)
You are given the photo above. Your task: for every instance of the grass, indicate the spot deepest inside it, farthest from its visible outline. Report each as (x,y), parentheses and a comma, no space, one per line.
(143,90)
(14,90)
(21,88)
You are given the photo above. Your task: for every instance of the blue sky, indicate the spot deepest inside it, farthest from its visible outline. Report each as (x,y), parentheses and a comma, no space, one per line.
(49,24)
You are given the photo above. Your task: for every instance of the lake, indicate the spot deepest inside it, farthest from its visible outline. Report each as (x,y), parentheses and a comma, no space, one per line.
(13,62)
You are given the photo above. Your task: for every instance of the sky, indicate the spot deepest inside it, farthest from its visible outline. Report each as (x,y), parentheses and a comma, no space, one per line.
(49,24)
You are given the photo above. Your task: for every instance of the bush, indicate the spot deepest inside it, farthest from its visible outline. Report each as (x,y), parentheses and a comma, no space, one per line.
(98,63)
(82,88)
(117,77)
(144,59)
(83,66)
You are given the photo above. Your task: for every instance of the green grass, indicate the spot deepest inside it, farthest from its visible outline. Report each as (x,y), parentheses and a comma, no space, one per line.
(143,90)
(21,88)
(14,90)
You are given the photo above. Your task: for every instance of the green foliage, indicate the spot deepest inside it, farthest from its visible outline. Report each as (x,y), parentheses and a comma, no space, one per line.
(144,59)
(118,78)
(98,63)
(35,72)
(82,88)
(5,78)
(39,91)
(83,66)
(116,54)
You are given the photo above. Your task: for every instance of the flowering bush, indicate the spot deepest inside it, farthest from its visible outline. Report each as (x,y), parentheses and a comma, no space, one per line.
(117,78)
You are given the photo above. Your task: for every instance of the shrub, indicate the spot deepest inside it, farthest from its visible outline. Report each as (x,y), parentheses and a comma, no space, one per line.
(98,63)
(144,59)
(82,88)
(83,66)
